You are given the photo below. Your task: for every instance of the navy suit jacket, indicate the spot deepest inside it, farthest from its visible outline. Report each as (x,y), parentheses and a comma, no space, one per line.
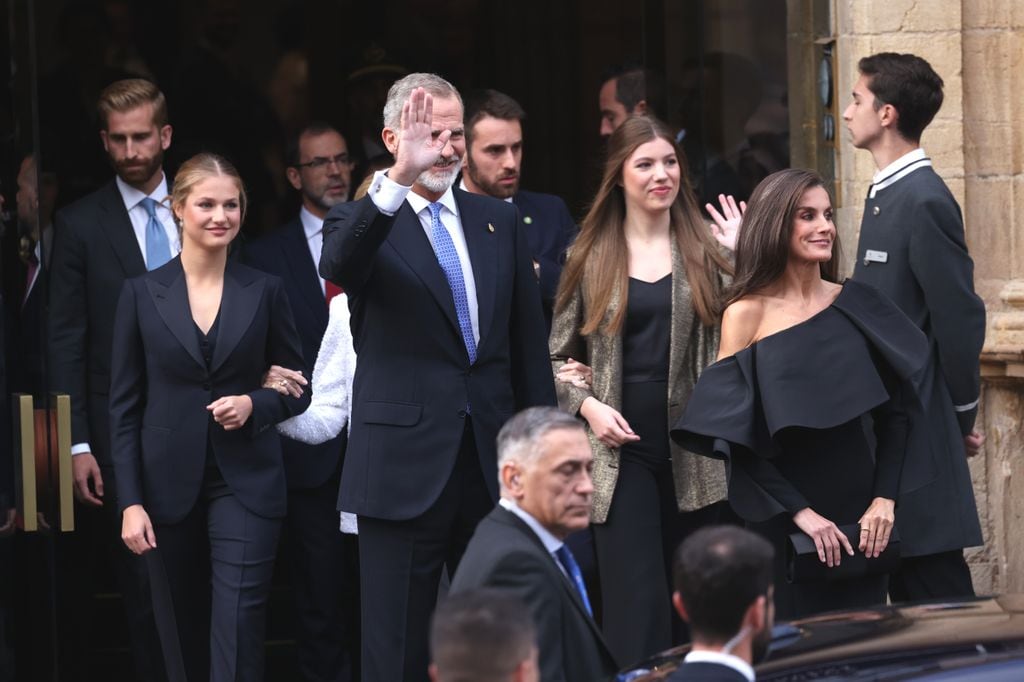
(94,251)
(549,230)
(285,253)
(706,672)
(506,554)
(413,383)
(160,387)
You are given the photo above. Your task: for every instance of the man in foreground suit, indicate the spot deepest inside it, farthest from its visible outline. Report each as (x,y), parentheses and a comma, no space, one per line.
(447,324)
(119,231)
(544,462)
(494,156)
(723,582)
(319,167)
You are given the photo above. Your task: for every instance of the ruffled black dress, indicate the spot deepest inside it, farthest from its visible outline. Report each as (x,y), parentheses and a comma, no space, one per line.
(817,415)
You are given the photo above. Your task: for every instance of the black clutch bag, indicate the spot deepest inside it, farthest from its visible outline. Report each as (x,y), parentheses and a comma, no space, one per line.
(804,566)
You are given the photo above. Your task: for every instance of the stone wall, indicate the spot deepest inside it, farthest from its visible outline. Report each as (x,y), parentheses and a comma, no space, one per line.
(977,145)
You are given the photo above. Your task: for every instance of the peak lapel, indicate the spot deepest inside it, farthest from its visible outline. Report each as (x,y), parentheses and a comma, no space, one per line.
(170,297)
(482,243)
(410,241)
(117,226)
(238,306)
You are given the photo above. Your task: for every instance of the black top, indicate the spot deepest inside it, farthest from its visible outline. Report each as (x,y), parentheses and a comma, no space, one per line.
(786,411)
(208,341)
(646,334)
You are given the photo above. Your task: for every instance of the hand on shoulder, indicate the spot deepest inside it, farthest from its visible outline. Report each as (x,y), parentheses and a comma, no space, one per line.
(740,323)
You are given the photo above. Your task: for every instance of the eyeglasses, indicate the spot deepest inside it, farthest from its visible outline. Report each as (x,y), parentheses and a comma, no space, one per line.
(320,162)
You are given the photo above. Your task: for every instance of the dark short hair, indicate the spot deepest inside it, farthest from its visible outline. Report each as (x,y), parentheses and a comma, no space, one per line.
(909,84)
(483,103)
(719,571)
(292,151)
(480,634)
(634,84)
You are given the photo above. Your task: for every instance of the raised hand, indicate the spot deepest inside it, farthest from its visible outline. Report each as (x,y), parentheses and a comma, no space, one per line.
(418,147)
(726,228)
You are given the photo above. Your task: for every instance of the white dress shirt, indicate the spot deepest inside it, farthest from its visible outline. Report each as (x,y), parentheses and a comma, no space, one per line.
(139,218)
(387,195)
(551,543)
(728,660)
(314,229)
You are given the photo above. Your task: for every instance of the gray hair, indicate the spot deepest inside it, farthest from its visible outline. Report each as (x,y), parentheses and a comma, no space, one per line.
(520,437)
(403,87)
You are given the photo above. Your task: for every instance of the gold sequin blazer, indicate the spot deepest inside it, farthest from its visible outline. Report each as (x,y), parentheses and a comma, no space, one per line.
(699,481)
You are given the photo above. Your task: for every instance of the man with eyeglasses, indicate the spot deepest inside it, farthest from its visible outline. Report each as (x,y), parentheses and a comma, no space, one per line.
(320,559)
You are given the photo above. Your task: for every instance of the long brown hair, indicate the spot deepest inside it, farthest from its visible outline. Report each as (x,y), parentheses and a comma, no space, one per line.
(599,260)
(762,250)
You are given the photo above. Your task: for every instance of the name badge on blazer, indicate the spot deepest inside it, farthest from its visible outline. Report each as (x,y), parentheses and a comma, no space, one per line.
(871,256)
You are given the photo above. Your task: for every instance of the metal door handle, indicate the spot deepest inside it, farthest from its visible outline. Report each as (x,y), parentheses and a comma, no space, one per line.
(25,470)
(65,474)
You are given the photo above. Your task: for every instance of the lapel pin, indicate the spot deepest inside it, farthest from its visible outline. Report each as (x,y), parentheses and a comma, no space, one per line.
(490,228)
(876,210)
(528,220)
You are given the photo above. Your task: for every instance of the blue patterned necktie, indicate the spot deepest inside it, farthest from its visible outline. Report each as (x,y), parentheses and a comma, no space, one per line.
(568,562)
(444,249)
(158,250)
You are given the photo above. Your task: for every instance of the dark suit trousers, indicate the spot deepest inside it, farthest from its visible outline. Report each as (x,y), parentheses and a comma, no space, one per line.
(97,542)
(218,563)
(322,582)
(934,576)
(634,556)
(400,564)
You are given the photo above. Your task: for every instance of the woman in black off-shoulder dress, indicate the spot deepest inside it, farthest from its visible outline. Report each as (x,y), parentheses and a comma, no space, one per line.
(813,399)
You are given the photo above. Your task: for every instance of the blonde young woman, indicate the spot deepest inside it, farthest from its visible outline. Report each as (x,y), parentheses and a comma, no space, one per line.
(637,305)
(198,463)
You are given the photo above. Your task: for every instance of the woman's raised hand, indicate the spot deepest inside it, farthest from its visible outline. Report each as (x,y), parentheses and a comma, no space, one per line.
(607,424)
(726,226)
(876,526)
(828,539)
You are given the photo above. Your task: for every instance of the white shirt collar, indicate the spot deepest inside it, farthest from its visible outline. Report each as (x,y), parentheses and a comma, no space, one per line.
(133,197)
(311,225)
(898,169)
(420,204)
(899,164)
(728,660)
(462,186)
(551,543)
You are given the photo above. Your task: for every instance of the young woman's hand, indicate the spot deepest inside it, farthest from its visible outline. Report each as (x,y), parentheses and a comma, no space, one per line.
(876,526)
(285,381)
(231,411)
(607,424)
(828,539)
(575,373)
(726,226)
(137,530)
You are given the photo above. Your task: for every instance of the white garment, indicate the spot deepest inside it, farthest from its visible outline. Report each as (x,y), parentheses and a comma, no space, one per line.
(331,407)
(387,195)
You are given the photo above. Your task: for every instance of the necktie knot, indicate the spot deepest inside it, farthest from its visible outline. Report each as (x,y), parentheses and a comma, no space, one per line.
(435,210)
(150,205)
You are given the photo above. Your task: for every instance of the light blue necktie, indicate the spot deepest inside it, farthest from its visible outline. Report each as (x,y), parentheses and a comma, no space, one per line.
(158,250)
(568,562)
(444,249)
